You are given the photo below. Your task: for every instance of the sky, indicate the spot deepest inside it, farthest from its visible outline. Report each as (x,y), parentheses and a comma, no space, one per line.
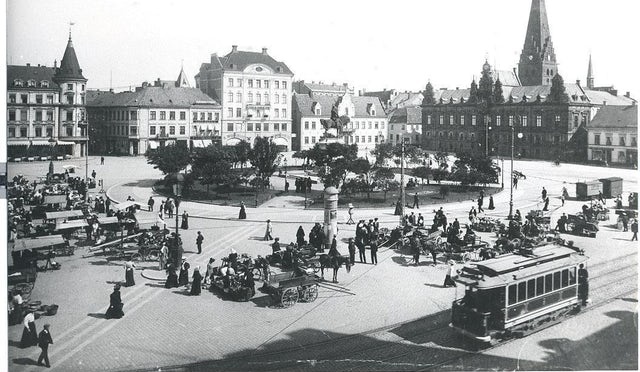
(400,44)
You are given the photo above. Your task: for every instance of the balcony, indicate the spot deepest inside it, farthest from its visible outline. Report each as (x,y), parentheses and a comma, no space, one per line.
(258,106)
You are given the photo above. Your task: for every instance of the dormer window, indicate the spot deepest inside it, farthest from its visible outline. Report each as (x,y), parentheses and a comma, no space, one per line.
(279,69)
(44,84)
(18,83)
(31,83)
(371,109)
(316,108)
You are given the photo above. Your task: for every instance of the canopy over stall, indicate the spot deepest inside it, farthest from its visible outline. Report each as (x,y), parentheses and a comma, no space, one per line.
(72,214)
(41,242)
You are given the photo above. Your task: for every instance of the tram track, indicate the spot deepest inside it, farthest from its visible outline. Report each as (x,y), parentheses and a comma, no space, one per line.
(400,347)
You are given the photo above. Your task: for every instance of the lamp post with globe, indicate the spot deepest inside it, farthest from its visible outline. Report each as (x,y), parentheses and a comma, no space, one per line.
(520,135)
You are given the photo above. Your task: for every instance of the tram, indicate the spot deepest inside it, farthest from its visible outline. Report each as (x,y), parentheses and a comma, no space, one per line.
(515,294)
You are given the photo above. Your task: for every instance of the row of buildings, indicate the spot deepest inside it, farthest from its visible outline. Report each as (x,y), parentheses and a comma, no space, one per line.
(244,95)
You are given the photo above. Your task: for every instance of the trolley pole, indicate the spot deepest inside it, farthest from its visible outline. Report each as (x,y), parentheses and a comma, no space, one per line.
(402,182)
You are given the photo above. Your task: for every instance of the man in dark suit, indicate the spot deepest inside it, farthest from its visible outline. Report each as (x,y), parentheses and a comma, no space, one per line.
(44,339)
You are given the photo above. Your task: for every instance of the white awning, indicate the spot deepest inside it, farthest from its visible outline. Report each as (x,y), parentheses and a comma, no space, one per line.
(65,143)
(17,143)
(153,145)
(207,142)
(198,143)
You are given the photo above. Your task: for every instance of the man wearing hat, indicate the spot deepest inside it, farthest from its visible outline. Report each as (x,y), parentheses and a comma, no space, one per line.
(44,339)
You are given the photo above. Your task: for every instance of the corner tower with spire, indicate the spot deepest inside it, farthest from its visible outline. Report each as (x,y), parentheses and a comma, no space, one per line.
(590,78)
(538,63)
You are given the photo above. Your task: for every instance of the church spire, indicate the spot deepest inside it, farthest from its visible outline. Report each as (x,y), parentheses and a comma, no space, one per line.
(69,66)
(537,64)
(590,78)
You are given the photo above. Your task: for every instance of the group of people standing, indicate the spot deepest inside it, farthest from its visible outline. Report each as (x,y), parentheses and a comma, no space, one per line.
(30,337)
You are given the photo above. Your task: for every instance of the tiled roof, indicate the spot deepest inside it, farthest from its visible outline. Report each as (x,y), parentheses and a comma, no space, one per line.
(599,98)
(383,95)
(240,60)
(305,103)
(407,99)
(326,87)
(615,117)
(406,115)
(575,92)
(507,78)
(151,97)
(69,66)
(26,73)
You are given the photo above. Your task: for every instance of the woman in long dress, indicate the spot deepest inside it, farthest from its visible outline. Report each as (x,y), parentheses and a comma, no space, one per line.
(196,283)
(185,220)
(172,278)
(115,304)
(183,277)
(243,213)
(128,274)
(29,333)
(491,206)
(300,236)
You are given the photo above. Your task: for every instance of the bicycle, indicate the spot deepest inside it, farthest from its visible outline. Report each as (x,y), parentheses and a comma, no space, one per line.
(146,254)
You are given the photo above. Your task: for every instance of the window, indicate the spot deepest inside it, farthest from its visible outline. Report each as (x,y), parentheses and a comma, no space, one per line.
(498,120)
(557,119)
(250,83)
(238,97)
(634,142)
(24,98)
(266,84)
(510,120)
(172,129)
(608,141)
(538,120)
(230,97)
(572,276)
(70,100)
(39,116)
(429,119)
(69,115)
(375,138)
(276,126)
(239,82)
(266,98)
(382,125)
(258,126)
(23,115)
(183,129)
(266,127)
(23,131)
(172,115)
(50,98)
(524,120)
(313,139)
(284,85)
(375,125)
(258,98)
(250,97)
(522,291)
(284,100)
(38,98)
(565,278)
(441,119)
(357,139)
(548,283)
(38,131)
(12,132)
(596,139)
(539,286)
(276,98)
(276,84)
(152,130)
(531,288)
(238,112)
(284,113)
(230,82)
(277,114)
(284,127)
(163,115)
(622,139)
(461,120)
(250,127)
(230,112)
(306,139)
(152,115)
(306,124)
(12,98)
(134,115)
(575,121)
(49,132)
(556,280)
(513,294)
(12,115)
(258,83)
(69,131)
(584,119)
(133,131)
(209,116)
(69,86)
(473,120)
(452,120)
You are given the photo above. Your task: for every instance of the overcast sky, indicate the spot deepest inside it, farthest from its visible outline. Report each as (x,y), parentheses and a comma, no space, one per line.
(369,44)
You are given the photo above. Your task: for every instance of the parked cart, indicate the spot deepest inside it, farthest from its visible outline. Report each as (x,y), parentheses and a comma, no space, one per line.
(290,287)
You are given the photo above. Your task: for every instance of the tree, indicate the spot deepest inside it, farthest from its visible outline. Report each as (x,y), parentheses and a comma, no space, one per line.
(497,92)
(422,173)
(333,161)
(558,91)
(242,150)
(263,158)
(429,96)
(364,170)
(385,180)
(169,159)
(382,152)
(212,165)
(471,170)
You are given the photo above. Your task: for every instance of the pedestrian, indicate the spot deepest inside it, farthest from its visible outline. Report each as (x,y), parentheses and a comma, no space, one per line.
(333,251)
(491,206)
(350,221)
(420,220)
(210,269)
(93,174)
(480,202)
(471,215)
(243,213)
(185,221)
(416,201)
(362,251)
(352,251)
(29,332)
(546,204)
(544,193)
(172,278)
(374,253)
(196,282)
(115,304)
(183,277)
(562,199)
(199,240)
(415,250)
(107,204)
(515,182)
(625,223)
(164,255)
(634,230)
(128,274)
(398,211)
(150,203)
(170,208)
(449,279)
(583,285)
(102,160)
(286,186)
(434,254)
(162,208)
(43,341)
(268,231)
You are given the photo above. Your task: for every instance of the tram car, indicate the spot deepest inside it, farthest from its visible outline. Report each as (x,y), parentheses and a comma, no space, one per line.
(515,294)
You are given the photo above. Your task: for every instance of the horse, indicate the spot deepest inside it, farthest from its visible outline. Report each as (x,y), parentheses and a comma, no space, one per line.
(335,262)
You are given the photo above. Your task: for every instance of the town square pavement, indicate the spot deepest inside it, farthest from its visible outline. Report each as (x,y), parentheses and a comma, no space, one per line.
(164,327)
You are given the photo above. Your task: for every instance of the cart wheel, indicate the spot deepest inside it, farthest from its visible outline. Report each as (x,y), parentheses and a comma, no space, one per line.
(289,297)
(310,293)
(136,257)
(153,255)
(257,273)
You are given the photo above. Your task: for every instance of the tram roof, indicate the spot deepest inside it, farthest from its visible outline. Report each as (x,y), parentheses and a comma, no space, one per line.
(516,266)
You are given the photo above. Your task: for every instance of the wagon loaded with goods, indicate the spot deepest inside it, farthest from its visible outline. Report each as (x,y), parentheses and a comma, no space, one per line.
(487,224)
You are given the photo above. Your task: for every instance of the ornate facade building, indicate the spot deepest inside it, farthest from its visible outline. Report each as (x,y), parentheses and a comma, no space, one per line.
(533,111)
(152,116)
(255,91)
(46,108)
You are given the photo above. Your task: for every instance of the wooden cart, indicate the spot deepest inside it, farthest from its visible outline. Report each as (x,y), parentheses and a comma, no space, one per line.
(286,288)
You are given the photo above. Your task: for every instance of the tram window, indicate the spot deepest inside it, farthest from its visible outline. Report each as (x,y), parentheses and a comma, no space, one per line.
(539,286)
(548,283)
(565,278)
(512,294)
(572,276)
(522,291)
(556,280)
(531,288)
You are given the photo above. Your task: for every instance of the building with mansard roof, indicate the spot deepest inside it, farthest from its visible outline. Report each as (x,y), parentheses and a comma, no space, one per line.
(46,112)
(255,92)
(550,125)
(152,116)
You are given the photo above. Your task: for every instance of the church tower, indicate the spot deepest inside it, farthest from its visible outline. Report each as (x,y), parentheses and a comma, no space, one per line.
(72,111)
(182,81)
(537,64)
(590,78)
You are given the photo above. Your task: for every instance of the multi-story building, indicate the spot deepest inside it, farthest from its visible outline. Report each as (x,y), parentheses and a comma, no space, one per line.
(255,93)
(319,88)
(482,118)
(153,116)
(613,135)
(405,124)
(46,107)
(368,124)
(393,99)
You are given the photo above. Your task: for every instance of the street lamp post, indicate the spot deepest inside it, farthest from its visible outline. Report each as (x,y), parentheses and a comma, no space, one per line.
(513,131)
(86,163)
(52,144)
(177,193)
(402,199)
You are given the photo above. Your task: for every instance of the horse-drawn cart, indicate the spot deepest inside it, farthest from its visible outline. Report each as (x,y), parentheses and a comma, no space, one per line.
(290,287)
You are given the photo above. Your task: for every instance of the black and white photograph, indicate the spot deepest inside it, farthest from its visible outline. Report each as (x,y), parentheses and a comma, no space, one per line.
(320,185)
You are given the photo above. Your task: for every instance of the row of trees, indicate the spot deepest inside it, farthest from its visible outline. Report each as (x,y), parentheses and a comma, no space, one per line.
(218,165)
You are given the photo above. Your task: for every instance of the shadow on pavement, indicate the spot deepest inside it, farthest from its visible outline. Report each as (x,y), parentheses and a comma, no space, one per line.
(141,183)
(25,361)
(97,315)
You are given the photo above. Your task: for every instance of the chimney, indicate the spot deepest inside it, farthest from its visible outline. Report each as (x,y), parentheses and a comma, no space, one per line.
(364,92)
(384,89)
(457,88)
(28,64)
(264,51)
(628,94)
(333,84)
(38,65)
(234,48)
(346,85)
(360,92)
(578,82)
